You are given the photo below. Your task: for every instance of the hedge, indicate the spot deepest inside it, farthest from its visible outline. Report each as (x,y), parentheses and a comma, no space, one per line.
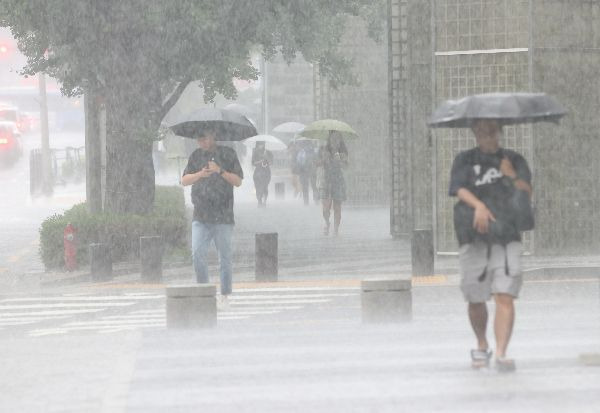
(120,232)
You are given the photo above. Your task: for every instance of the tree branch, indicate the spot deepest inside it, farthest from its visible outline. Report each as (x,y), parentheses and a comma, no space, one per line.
(172,100)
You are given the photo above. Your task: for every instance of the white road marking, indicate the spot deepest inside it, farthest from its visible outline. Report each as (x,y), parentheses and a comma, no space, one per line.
(287,296)
(52,312)
(82,298)
(64,305)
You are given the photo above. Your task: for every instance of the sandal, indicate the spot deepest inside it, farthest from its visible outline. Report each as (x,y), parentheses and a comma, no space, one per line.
(504,365)
(480,358)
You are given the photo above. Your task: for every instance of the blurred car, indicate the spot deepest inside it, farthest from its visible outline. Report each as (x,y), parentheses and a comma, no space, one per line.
(10,143)
(11,113)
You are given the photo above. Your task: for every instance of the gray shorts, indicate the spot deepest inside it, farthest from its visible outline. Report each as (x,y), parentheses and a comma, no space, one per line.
(482,276)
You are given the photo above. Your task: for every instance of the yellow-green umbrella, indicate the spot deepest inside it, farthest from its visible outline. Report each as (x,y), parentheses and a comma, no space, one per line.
(320,129)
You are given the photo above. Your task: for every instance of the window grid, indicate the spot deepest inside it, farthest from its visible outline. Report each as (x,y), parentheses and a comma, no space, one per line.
(463,75)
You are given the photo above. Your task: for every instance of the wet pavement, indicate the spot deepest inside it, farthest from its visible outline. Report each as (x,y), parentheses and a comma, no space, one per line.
(301,347)
(294,345)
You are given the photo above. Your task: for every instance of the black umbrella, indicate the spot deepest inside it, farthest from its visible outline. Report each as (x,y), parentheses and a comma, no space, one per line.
(507,108)
(229,125)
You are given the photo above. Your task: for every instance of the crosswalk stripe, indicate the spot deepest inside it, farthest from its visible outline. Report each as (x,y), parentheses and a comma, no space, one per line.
(243,304)
(83,298)
(65,305)
(287,296)
(53,312)
(282,301)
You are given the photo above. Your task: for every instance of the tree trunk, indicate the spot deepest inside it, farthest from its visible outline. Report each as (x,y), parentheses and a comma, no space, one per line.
(93,163)
(129,167)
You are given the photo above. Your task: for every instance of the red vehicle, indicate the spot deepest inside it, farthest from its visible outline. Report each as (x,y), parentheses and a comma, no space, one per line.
(10,143)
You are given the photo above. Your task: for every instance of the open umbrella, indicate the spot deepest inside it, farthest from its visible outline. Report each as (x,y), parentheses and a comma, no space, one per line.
(320,129)
(230,126)
(271,142)
(239,108)
(289,127)
(507,108)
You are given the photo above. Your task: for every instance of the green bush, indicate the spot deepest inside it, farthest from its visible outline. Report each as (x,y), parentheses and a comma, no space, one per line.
(120,232)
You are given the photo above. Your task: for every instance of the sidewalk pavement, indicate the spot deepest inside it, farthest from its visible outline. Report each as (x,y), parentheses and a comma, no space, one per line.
(364,249)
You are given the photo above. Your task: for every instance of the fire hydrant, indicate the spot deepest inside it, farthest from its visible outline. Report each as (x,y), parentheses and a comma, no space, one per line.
(70,247)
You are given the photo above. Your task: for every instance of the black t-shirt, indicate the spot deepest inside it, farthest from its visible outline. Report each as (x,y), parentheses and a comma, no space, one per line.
(213,196)
(480,174)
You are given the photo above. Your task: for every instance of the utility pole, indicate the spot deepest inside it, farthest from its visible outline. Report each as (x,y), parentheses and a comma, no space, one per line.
(265,97)
(47,176)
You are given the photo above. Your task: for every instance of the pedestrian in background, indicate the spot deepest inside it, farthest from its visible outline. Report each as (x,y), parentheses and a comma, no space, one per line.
(262,159)
(486,179)
(305,167)
(332,158)
(213,171)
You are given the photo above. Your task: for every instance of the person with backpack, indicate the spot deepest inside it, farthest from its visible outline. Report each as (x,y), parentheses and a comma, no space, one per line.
(490,183)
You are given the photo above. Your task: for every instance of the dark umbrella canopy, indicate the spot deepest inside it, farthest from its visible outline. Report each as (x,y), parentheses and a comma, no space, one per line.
(229,125)
(508,108)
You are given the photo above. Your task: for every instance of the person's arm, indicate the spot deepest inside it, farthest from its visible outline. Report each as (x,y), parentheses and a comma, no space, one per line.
(192,178)
(482,215)
(507,169)
(231,178)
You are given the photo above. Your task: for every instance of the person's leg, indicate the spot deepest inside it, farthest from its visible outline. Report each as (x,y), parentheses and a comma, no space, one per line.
(476,288)
(326,214)
(304,184)
(258,190)
(507,282)
(201,237)
(313,184)
(504,322)
(337,216)
(223,243)
(478,316)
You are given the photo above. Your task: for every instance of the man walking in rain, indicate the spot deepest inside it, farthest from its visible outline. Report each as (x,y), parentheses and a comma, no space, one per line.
(486,179)
(212,171)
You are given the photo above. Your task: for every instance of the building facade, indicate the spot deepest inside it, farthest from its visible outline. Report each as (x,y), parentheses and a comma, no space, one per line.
(446,49)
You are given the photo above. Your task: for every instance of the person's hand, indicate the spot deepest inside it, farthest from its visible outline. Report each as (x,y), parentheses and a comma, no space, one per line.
(507,169)
(203,173)
(213,167)
(481,218)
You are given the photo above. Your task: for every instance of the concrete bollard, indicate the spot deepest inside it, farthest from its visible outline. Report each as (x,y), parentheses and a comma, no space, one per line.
(191,306)
(100,262)
(386,301)
(266,261)
(280,190)
(151,253)
(422,252)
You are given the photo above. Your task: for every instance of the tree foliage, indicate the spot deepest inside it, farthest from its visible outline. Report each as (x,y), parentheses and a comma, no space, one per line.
(139,55)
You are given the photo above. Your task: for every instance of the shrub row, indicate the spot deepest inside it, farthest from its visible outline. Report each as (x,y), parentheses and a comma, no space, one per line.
(120,232)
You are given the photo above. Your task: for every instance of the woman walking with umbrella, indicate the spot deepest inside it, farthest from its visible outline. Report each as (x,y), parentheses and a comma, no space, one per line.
(331,160)
(261,160)
(333,157)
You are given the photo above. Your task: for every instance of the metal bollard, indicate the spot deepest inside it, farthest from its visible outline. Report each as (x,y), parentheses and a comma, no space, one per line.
(422,252)
(151,253)
(280,190)
(266,261)
(191,306)
(100,262)
(386,301)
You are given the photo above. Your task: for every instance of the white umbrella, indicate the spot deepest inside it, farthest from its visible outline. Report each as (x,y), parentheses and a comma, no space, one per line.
(289,127)
(271,142)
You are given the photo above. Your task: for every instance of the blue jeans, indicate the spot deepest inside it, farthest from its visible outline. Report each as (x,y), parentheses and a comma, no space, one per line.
(202,235)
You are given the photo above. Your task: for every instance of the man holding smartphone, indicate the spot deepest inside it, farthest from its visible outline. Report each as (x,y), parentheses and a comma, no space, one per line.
(213,171)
